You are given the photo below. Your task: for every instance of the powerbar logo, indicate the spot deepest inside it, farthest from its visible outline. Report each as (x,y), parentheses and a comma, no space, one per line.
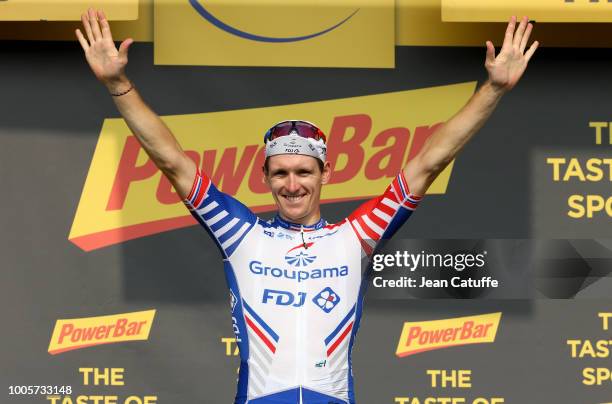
(85,332)
(438,334)
(370,139)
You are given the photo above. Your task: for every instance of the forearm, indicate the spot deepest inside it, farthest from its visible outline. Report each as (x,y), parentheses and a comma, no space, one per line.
(152,133)
(154,136)
(108,65)
(450,138)
(505,70)
(446,142)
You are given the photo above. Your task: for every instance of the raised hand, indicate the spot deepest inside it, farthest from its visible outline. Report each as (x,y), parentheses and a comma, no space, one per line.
(506,69)
(106,62)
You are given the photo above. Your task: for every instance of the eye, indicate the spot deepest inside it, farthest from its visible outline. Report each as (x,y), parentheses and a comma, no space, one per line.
(304,173)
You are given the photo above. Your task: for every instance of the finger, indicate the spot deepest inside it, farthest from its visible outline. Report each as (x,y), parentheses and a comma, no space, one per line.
(531,50)
(509,33)
(124,47)
(82,40)
(106,31)
(525,39)
(85,21)
(490,52)
(95,27)
(518,35)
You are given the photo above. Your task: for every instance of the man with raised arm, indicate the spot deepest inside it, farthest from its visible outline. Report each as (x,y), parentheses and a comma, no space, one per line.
(296,282)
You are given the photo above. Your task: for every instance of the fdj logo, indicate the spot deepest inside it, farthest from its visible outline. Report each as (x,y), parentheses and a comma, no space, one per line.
(282,298)
(327,299)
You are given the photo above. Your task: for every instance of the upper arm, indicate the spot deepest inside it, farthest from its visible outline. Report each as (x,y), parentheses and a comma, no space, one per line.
(419,175)
(415,176)
(181,172)
(422,170)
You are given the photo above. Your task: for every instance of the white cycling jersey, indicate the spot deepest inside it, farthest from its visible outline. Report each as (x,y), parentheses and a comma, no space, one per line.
(296,291)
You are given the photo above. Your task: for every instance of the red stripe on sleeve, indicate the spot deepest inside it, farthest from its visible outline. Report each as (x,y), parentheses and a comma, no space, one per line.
(402,180)
(193,186)
(397,190)
(379,221)
(367,230)
(387,209)
(201,195)
(410,205)
(390,194)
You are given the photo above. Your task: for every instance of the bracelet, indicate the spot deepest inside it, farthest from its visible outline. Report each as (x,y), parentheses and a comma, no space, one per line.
(123,92)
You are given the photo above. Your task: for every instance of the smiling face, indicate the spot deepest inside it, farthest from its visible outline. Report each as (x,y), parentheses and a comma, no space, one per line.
(295,182)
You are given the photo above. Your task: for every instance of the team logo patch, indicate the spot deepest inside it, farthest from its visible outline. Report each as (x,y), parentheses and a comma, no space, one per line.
(301,258)
(292,143)
(285,236)
(327,299)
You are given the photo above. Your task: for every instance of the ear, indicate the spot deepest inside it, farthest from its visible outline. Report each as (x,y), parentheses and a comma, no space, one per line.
(326,175)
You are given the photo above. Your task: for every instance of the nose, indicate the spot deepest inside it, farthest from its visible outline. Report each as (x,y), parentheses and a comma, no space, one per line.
(293,185)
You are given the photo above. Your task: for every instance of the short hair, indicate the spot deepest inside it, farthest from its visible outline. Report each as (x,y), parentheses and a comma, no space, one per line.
(319,163)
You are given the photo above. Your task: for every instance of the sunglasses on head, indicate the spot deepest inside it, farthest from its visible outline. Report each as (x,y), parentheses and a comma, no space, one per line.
(299,128)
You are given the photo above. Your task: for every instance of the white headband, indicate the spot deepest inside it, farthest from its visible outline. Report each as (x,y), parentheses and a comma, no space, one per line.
(296,144)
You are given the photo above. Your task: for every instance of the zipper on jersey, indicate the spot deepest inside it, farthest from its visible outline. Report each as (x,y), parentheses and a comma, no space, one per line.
(300,337)
(302,233)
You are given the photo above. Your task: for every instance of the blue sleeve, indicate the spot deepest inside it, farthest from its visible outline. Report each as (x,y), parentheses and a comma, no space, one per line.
(226,219)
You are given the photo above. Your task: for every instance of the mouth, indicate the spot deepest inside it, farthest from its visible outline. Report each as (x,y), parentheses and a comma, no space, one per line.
(293,198)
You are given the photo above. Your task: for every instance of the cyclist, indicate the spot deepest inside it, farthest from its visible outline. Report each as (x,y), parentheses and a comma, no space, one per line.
(296,282)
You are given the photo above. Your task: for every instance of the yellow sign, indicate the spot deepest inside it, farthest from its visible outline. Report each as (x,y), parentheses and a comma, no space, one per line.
(66,10)
(341,33)
(429,335)
(538,10)
(79,333)
(419,23)
(370,139)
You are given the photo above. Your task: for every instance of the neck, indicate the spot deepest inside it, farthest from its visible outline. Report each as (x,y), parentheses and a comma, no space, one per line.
(309,220)
(312,222)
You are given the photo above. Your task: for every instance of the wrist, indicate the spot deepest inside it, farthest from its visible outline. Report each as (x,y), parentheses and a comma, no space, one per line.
(495,89)
(118,85)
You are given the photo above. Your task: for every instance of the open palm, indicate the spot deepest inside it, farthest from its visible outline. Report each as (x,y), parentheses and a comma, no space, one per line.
(106,61)
(506,69)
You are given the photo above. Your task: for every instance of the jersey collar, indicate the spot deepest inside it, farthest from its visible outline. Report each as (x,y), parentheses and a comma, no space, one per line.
(279,221)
